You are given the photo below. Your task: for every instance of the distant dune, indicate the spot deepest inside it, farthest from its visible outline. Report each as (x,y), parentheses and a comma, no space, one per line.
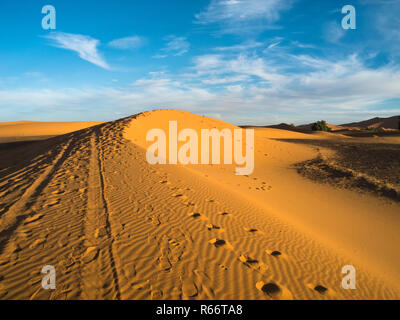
(388,123)
(116,227)
(35,130)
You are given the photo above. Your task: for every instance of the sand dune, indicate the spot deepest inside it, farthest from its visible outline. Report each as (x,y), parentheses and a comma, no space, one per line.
(35,130)
(116,227)
(388,123)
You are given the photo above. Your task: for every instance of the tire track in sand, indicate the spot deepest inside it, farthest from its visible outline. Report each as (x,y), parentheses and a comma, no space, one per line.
(99,274)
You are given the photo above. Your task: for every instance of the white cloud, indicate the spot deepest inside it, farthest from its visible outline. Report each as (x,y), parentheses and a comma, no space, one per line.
(176,45)
(333,32)
(251,44)
(85,46)
(160,56)
(272,45)
(226,79)
(242,64)
(243,88)
(237,16)
(132,42)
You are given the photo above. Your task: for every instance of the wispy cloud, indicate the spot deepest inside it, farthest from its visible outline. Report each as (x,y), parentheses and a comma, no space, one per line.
(333,32)
(85,46)
(238,16)
(160,56)
(132,42)
(176,45)
(243,88)
(387,23)
(251,44)
(272,45)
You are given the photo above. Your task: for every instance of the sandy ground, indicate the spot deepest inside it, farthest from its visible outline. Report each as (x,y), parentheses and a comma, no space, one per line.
(116,227)
(14,131)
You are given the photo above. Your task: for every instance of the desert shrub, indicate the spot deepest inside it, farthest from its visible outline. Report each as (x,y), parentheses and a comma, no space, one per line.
(320,126)
(372,129)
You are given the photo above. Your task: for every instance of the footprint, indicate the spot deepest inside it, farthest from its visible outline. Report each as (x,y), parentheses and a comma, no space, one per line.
(219,243)
(154,220)
(129,271)
(320,289)
(253,263)
(197,215)
(271,289)
(252,230)
(156,294)
(247,259)
(274,253)
(179,195)
(212,201)
(164,261)
(205,283)
(194,214)
(165,265)
(90,254)
(190,204)
(189,288)
(274,291)
(211,226)
(67,263)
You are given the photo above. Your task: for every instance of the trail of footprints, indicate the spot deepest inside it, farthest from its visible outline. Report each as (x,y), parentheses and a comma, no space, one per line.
(270,289)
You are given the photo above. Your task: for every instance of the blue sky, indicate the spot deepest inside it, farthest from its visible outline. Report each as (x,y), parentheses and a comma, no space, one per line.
(243,61)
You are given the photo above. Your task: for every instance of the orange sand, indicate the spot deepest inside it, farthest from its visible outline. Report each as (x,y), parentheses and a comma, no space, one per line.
(35,130)
(116,227)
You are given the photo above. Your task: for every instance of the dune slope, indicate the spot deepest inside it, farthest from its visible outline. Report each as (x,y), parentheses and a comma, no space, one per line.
(35,130)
